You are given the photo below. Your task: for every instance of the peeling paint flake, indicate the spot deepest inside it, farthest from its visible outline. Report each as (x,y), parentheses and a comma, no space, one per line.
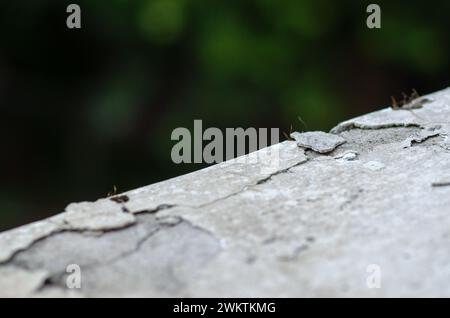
(384,118)
(100,215)
(347,156)
(318,141)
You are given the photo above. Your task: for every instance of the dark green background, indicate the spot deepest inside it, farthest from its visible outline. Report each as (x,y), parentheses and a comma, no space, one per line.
(83,110)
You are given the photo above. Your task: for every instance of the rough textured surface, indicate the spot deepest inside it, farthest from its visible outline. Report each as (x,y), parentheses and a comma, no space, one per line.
(306,224)
(318,140)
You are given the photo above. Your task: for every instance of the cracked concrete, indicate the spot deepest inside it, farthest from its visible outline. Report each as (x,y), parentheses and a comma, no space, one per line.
(101,215)
(305,224)
(154,254)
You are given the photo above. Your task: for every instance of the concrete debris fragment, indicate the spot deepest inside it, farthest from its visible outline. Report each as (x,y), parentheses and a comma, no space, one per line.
(374,165)
(318,141)
(348,156)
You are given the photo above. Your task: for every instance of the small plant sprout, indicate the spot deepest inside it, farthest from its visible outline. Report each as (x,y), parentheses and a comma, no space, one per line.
(412,101)
(113,192)
(291,130)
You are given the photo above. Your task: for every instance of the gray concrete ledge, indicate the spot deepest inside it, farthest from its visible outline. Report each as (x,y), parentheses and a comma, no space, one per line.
(374,193)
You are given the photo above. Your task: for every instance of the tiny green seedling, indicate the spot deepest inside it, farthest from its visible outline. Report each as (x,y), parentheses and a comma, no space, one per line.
(303,123)
(288,136)
(412,101)
(113,192)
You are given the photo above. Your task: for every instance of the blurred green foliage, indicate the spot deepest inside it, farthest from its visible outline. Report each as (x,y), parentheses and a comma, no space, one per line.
(83,110)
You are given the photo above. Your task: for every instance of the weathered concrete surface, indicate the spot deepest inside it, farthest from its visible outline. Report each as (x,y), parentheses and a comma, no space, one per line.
(318,141)
(308,224)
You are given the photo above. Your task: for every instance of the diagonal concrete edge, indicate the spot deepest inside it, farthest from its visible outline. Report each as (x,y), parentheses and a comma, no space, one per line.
(283,221)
